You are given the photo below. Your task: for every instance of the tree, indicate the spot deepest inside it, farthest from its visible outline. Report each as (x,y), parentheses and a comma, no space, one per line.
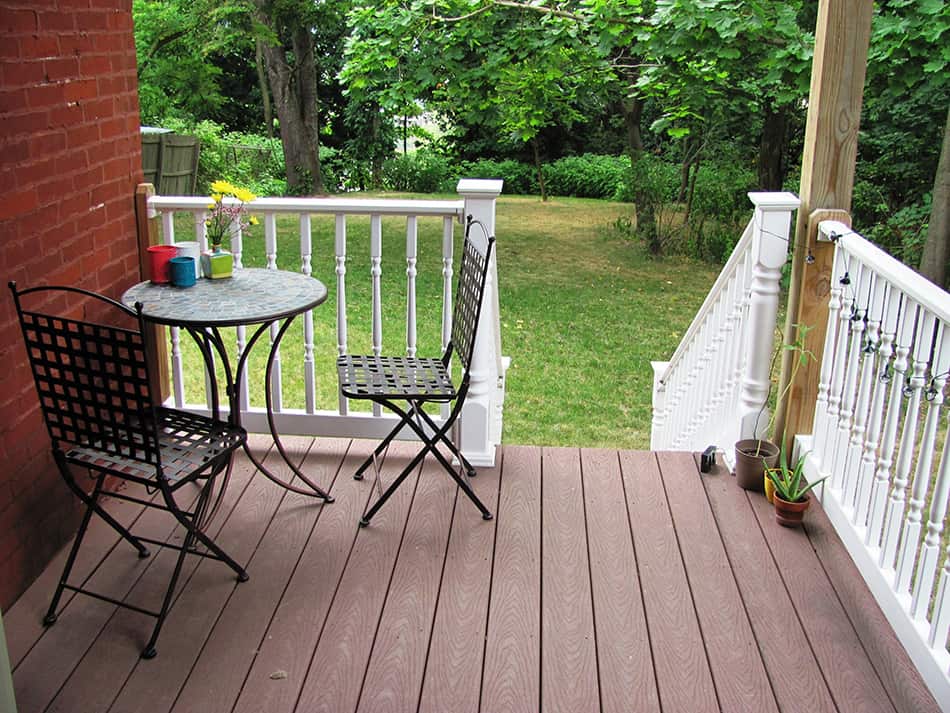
(907,92)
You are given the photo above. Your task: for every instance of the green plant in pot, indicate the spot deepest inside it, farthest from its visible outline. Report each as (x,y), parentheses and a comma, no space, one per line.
(754,456)
(791,498)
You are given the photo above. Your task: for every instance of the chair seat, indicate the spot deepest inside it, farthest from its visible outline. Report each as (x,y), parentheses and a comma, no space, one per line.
(371,377)
(188,442)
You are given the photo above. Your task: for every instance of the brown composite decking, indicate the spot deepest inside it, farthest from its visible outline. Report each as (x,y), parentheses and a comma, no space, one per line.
(608,581)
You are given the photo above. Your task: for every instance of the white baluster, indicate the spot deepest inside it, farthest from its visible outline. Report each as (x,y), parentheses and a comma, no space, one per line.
(448,255)
(341,337)
(168,227)
(412,237)
(178,376)
(276,377)
(838,371)
(930,552)
(841,437)
(270,240)
(905,454)
(828,361)
(244,402)
(940,623)
(309,376)
(880,344)
(201,230)
(912,523)
(864,366)
(896,323)
(376,271)
(237,245)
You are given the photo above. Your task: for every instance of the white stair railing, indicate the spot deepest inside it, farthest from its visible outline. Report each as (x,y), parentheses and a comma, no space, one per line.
(879,422)
(714,388)
(480,423)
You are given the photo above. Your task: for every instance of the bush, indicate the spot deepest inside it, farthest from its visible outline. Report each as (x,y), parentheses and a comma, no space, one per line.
(519,177)
(719,209)
(587,176)
(417,172)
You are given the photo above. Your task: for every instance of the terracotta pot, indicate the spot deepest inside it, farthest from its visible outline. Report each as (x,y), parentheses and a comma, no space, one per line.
(790,514)
(750,468)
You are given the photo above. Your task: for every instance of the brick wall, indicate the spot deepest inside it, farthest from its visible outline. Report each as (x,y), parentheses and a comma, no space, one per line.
(71,158)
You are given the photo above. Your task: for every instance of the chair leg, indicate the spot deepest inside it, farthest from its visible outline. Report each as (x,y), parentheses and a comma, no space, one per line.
(368,515)
(51,615)
(149,651)
(358,475)
(92,502)
(191,526)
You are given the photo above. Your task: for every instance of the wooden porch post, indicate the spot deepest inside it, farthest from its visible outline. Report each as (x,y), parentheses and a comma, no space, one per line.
(147,228)
(831,142)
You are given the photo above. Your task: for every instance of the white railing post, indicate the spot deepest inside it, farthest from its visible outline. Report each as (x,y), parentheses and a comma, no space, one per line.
(773,216)
(480,421)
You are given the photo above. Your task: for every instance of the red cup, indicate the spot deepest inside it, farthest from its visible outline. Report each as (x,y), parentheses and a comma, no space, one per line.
(158,256)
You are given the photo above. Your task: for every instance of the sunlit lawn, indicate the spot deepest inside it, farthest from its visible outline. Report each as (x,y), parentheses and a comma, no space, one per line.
(583,310)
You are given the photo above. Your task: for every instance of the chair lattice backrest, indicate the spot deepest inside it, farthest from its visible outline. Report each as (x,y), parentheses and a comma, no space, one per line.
(92,381)
(473,274)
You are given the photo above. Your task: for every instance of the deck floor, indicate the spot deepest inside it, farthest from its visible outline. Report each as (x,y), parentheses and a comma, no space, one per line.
(608,581)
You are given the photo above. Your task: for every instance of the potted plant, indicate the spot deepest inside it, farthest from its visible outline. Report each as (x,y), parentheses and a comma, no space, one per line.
(227,212)
(754,456)
(791,497)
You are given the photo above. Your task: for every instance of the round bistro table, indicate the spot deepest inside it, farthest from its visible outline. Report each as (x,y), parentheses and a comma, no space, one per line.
(252,296)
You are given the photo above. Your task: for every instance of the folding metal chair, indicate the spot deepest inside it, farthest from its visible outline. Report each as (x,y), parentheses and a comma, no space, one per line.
(391,380)
(93,385)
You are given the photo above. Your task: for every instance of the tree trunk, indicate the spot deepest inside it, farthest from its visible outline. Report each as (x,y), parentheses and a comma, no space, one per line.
(537,167)
(632,108)
(265,91)
(772,148)
(933,263)
(295,100)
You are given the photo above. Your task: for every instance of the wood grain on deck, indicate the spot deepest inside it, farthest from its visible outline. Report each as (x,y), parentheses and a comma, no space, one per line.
(608,581)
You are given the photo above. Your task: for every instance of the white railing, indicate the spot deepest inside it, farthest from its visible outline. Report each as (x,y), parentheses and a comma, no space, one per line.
(879,421)
(714,388)
(481,421)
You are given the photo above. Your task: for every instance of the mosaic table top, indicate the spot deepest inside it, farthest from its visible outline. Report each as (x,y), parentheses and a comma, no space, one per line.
(251,296)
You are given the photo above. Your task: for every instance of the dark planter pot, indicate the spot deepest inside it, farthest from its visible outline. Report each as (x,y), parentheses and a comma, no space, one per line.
(790,514)
(750,468)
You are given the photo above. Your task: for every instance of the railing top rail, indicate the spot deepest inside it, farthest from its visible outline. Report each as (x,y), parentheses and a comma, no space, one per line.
(911,283)
(325,206)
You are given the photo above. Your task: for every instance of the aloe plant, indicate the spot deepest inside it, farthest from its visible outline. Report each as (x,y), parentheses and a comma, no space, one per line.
(788,481)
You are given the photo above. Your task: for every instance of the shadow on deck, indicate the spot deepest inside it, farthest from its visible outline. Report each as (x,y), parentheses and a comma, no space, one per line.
(608,581)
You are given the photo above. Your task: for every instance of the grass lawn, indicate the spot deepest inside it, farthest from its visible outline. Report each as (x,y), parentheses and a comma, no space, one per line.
(584,311)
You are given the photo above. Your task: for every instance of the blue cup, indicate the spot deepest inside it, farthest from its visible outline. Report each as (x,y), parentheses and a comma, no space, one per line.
(182,271)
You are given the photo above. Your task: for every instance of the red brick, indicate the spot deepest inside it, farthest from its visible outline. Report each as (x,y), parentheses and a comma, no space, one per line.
(12,100)
(46,95)
(79,90)
(97,109)
(59,22)
(61,68)
(76,44)
(21,73)
(54,189)
(37,46)
(92,20)
(79,137)
(92,65)
(65,115)
(19,22)
(25,123)
(50,143)
(18,203)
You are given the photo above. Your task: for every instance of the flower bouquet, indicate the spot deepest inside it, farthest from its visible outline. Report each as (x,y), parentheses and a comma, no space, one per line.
(227,214)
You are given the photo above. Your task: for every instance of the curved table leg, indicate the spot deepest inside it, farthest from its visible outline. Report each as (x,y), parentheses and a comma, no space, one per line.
(313,490)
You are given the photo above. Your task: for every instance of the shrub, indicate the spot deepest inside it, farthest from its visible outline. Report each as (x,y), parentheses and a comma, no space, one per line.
(416,172)
(586,176)
(519,177)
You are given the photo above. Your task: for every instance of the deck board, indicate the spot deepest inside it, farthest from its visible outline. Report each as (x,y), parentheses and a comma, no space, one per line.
(608,581)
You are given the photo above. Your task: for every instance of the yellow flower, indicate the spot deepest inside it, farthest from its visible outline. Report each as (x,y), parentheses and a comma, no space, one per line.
(254,220)
(222,187)
(242,194)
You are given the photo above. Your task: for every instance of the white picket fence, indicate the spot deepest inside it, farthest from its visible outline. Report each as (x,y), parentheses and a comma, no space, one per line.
(879,421)
(714,388)
(480,423)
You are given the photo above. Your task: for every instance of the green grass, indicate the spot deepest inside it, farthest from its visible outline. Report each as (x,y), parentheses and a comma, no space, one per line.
(584,310)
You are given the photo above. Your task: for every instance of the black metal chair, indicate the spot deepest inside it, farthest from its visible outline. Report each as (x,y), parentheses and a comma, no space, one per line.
(94,390)
(391,380)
